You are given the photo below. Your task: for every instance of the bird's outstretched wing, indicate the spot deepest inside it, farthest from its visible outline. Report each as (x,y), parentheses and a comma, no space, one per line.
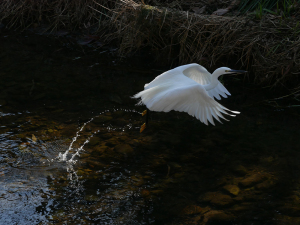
(184,95)
(199,74)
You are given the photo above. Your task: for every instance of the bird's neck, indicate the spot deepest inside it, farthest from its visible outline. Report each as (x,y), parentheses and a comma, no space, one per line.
(213,83)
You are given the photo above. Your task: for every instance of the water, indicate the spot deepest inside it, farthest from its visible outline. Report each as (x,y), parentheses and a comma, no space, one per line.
(71,151)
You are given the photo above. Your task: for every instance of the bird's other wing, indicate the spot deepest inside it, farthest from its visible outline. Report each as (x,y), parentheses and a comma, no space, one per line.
(169,76)
(219,90)
(200,74)
(197,73)
(190,97)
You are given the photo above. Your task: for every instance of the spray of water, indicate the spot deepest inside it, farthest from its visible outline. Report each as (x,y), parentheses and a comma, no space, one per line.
(62,157)
(70,161)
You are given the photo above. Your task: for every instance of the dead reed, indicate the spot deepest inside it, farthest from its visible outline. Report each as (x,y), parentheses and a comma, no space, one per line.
(268,47)
(54,14)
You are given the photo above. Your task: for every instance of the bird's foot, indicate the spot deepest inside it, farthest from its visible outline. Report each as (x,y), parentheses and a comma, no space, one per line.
(143,127)
(144,113)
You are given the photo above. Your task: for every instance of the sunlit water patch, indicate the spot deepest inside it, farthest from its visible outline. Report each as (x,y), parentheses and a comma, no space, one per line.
(23,181)
(22,192)
(31,167)
(108,193)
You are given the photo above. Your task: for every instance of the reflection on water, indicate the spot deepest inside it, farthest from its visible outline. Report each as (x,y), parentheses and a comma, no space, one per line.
(71,151)
(23,186)
(33,169)
(22,193)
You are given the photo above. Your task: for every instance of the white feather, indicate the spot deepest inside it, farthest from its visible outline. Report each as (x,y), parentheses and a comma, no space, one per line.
(189,88)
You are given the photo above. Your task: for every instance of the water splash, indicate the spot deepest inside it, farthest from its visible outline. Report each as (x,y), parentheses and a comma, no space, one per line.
(63,157)
(70,161)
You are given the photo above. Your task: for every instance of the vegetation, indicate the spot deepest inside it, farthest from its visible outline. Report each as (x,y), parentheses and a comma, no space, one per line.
(269,47)
(250,5)
(262,36)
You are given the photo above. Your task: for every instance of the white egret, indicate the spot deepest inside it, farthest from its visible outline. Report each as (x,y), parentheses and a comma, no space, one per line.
(188,88)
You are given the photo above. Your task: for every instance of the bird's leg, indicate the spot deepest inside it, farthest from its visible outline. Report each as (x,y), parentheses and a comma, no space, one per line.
(143,127)
(144,112)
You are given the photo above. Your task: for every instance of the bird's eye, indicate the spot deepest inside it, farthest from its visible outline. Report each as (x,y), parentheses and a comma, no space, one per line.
(226,70)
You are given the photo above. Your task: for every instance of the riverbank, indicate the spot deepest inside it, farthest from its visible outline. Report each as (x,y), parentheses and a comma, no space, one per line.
(267,45)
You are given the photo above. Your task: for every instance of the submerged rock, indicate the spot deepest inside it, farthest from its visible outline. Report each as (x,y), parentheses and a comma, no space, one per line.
(167,137)
(239,208)
(217,217)
(240,170)
(157,192)
(232,189)
(107,135)
(145,193)
(265,185)
(112,142)
(217,198)
(290,210)
(123,148)
(120,122)
(191,210)
(102,119)
(117,114)
(100,149)
(138,181)
(94,141)
(134,142)
(95,163)
(250,181)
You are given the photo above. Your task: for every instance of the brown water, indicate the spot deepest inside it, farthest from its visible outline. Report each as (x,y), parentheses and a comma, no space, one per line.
(178,171)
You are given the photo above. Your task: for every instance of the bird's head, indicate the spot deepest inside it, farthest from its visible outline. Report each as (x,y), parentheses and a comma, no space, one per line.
(226,70)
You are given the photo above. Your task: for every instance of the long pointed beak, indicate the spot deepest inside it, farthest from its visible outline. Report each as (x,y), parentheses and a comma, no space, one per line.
(237,71)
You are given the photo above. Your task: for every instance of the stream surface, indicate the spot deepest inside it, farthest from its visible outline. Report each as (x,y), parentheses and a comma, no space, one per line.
(71,151)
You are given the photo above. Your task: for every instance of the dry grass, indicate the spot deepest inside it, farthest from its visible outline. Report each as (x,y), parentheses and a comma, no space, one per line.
(54,14)
(269,47)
